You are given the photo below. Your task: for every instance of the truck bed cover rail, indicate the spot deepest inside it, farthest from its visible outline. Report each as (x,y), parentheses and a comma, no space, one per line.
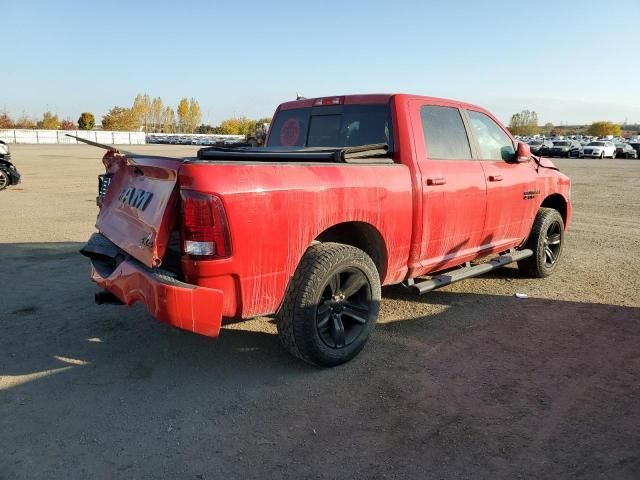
(375,153)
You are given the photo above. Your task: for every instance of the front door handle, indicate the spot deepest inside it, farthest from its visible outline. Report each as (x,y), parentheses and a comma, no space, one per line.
(495,178)
(436,181)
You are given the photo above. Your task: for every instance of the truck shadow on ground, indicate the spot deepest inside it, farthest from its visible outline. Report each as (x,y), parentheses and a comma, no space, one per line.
(536,368)
(48,300)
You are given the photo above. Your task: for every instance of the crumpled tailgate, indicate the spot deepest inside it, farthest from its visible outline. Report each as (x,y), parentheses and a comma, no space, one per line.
(140,205)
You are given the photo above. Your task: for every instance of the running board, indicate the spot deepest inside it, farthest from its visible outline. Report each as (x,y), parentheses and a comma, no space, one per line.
(453,276)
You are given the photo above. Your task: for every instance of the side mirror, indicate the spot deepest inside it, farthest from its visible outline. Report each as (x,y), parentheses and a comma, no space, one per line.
(523,153)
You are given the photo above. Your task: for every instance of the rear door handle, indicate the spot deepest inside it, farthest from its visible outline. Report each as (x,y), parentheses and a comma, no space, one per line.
(436,181)
(495,178)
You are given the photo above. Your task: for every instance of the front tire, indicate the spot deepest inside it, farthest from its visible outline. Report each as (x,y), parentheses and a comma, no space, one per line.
(546,240)
(4,179)
(331,305)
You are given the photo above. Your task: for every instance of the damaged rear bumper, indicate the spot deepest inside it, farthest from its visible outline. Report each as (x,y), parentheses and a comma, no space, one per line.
(186,306)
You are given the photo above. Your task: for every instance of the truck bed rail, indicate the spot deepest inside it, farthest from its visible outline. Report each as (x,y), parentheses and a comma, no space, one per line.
(375,153)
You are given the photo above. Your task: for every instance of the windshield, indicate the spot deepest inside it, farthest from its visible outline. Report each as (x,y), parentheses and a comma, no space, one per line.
(596,144)
(332,126)
(535,142)
(561,144)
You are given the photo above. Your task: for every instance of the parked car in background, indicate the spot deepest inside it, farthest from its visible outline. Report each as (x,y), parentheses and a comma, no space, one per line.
(540,147)
(636,147)
(8,173)
(565,148)
(624,150)
(599,149)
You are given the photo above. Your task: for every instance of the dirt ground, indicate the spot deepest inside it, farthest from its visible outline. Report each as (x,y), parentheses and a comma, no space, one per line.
(465,382)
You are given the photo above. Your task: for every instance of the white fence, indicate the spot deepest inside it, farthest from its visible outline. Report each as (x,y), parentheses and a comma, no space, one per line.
(60,137)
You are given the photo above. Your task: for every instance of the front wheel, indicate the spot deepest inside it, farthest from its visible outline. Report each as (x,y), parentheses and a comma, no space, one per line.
(546,241)
(4,179)
(331,305)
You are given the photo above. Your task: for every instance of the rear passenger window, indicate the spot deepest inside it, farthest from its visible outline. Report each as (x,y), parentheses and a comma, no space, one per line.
(444,134)
(494,144)
(324,130)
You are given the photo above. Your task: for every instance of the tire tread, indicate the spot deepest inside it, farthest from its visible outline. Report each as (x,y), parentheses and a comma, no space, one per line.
(534,266)
(307,279)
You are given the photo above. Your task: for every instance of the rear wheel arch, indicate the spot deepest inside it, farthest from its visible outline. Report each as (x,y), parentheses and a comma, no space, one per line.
(361,235)
(557,202)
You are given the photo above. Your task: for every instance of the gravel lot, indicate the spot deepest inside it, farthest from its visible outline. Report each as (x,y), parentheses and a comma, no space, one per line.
(465,382)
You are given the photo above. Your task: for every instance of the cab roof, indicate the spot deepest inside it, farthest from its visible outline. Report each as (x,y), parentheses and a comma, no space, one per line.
(369,98)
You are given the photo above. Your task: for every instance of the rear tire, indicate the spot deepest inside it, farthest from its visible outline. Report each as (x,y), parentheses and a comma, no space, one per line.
(546,240)
(331,305)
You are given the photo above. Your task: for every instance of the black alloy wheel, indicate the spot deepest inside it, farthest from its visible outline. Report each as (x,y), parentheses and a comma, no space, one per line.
(344,308)
(553,243)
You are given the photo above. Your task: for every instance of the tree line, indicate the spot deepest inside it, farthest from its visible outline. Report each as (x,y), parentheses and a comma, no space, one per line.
(49,121)
(234,126)
(146,114)
(151,115)
(525,123)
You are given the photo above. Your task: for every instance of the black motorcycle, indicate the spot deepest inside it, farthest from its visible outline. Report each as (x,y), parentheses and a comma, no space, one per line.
(8,172)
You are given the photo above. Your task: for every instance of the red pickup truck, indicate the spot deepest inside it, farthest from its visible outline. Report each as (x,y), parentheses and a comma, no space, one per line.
(348,194)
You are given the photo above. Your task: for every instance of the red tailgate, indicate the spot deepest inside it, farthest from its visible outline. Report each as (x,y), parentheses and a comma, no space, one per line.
(140,205)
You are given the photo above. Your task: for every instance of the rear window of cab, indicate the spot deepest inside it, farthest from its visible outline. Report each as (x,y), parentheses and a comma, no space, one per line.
(332,126)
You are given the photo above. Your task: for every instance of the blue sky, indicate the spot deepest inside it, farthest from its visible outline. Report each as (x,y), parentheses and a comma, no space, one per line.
(571,61)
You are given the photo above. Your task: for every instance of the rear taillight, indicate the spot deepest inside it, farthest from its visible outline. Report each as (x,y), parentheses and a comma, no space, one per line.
(204,226)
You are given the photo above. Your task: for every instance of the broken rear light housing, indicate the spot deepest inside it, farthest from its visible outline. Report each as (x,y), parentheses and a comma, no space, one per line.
(205,233)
